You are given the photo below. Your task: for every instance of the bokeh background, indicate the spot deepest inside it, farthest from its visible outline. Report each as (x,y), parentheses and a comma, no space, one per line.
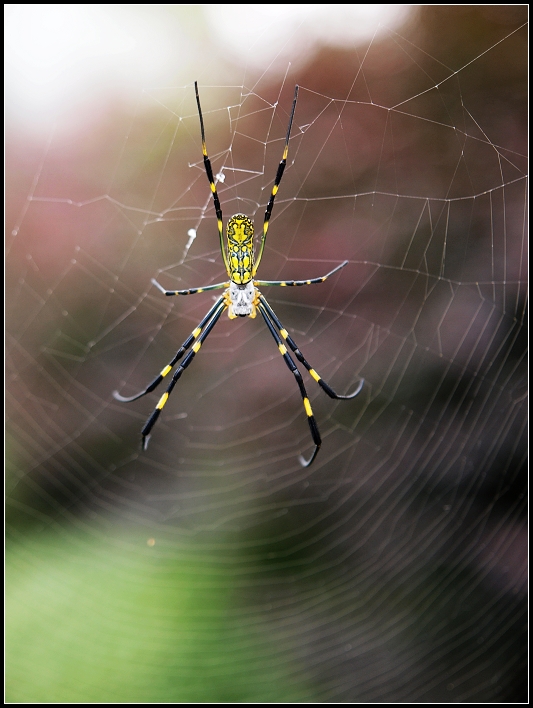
(213,567)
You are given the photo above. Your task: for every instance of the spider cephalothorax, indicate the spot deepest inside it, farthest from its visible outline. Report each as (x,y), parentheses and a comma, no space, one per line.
(241,298)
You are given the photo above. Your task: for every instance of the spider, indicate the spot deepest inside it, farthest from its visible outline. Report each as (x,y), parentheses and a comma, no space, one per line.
(241,298)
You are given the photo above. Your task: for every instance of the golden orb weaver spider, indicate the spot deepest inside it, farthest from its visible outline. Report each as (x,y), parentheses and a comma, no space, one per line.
(242,299)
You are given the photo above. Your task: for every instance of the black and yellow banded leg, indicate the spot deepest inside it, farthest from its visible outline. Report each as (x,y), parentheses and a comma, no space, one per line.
(209,172)
(177,356)
(312,281)
(145,432)
(299,380)
(279,175)
(292,344)
(191,291)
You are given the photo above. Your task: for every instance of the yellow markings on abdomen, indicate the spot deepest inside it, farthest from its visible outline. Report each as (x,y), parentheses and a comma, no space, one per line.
(196,332)
(196,346)
(282,349)
(284,333)
(240,234)
(166,371)
(162,401)
(314,375)
(308,408)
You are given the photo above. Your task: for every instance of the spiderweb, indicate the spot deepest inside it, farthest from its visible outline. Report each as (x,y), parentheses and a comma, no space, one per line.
(213,566)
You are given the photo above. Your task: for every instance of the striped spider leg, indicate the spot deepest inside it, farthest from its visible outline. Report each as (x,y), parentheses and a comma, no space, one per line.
(276,329)
(194,340)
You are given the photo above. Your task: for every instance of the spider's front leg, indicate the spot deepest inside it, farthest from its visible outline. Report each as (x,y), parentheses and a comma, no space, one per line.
(177,356)
(313,427)
(145,432)
(292,344)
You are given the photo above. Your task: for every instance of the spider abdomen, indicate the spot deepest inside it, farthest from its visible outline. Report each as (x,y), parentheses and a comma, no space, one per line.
(240,234)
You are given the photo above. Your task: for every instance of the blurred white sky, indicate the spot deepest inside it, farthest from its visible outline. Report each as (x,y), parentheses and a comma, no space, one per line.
(64,56)
(267,33)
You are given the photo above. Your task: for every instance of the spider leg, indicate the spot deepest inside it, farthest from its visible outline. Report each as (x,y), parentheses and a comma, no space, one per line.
(145,432)
(266,283)
(192,291)
(320,381)
(279,175)
(209,173)
(177,356)
(299,380)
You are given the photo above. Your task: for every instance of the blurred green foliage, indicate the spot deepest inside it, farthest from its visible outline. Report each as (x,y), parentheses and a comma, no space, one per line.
(103,619)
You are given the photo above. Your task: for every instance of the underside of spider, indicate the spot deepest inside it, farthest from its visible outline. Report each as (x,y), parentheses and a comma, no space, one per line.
(241,298)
